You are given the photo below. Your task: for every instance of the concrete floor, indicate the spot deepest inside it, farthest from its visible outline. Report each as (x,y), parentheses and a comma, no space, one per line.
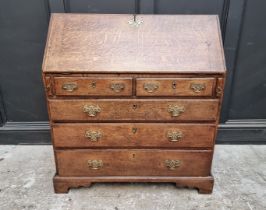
(26,183)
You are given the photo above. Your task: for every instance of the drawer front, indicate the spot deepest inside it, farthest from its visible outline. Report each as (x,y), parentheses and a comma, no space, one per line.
(127,135)
(92,86)
(133,162)
(134,109)
(175,86)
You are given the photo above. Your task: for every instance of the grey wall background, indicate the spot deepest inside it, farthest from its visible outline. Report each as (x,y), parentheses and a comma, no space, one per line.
(23,30)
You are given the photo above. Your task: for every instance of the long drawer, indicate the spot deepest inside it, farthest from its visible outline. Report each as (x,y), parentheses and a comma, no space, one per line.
(134,109)
(140,135)
(133,162)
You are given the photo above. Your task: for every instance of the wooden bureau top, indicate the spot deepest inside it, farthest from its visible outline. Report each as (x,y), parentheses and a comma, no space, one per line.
(101,43)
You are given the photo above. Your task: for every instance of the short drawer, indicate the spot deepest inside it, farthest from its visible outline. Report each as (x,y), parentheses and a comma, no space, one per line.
(125,135)
(133,109)
(133,162)
(175,86)
(93,86)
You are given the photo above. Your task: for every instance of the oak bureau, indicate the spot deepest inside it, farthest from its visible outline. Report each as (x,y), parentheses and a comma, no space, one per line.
(133,101)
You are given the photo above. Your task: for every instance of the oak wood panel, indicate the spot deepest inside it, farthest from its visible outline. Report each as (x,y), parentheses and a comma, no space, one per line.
(140,135)
(140,75)
(133,162)
(203,183)
(220,87)
(94,86)
(134,109)
(108,43)
(174,86)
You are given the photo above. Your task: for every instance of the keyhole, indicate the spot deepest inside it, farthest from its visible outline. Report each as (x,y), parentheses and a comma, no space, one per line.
(93,84)
(174,84)
(134,130)
(134,106)
(133,155)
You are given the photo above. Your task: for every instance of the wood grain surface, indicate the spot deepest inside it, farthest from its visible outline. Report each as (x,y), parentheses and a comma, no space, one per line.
(133,162)
(108,43)
(203,183)
(134,109)
(174,86)
(136,135)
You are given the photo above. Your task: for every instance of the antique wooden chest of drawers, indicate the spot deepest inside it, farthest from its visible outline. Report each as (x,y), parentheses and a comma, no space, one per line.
(133,101)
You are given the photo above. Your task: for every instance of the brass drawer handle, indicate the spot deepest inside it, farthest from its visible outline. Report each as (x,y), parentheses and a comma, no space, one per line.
(174,136)
(172,164)
(219,91)
(176,110)
(95,164)
(117,87)
(70,87)
(93,135)
(91,110)
(197,88)
(150,87)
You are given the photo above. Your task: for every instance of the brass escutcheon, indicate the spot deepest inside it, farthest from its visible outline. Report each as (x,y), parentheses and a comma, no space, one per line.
(93,135)
(172,164)
(134,106)
(174,84)
(93,84)
(174,136)
(95,164)
(150,87)
(70,87)
(176,110)
(197,88)
(117,87)
(134,130)
(91,110)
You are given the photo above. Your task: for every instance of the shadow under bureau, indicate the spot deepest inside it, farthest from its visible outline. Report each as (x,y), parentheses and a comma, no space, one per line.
(133,102)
